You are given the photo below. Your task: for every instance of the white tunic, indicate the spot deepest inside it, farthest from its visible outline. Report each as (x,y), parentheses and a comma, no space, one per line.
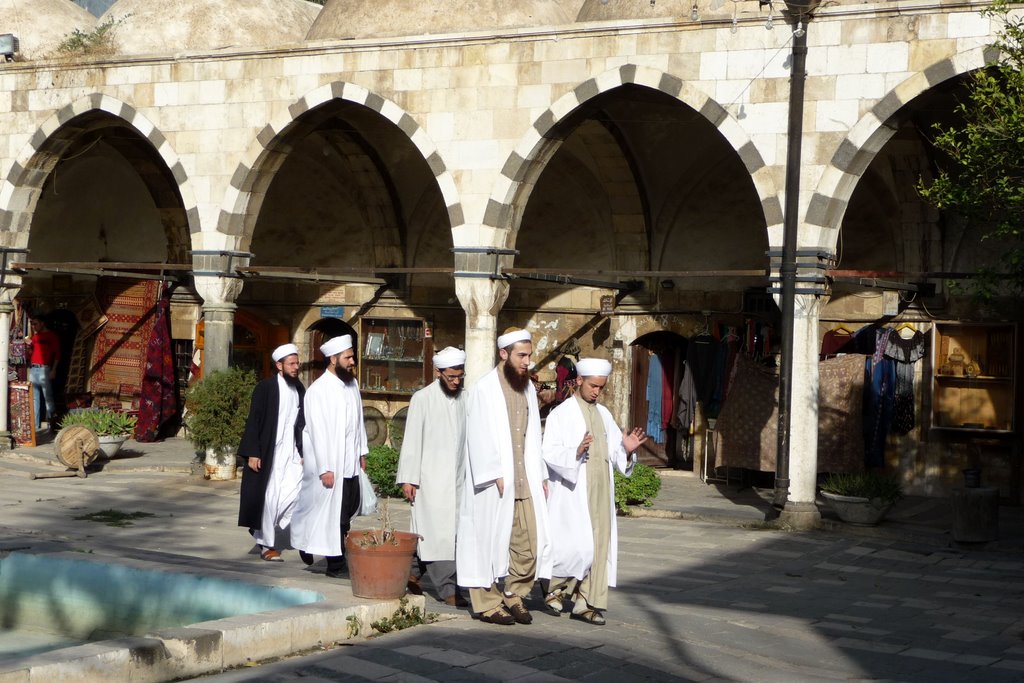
(569,514)
(333,441)
(485,518)
(433,458)
(286,473)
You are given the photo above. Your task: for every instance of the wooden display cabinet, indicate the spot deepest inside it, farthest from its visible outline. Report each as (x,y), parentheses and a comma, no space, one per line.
(973,384)
(395,355)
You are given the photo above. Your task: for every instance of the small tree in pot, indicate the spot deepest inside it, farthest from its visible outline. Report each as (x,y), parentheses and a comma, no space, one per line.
(861,498)
(112,427)
(216,408)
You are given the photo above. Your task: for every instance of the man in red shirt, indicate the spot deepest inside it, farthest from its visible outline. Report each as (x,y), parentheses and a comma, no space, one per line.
(44,347)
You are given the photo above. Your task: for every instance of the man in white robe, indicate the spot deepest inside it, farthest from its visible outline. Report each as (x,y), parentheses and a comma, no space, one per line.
(270,446)
(334,450)
(431,470)
(582,445)
(503,527)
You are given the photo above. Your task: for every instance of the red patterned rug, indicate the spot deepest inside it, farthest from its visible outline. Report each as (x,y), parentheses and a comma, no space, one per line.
(119,353)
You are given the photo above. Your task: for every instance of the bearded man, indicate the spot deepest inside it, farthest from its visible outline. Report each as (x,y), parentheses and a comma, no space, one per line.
(582,448)
(334,449)
(431,469)
(503,526)
(272,448)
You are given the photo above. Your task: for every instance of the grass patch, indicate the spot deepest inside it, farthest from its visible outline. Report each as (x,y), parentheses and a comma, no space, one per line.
(404,617)
(112,517)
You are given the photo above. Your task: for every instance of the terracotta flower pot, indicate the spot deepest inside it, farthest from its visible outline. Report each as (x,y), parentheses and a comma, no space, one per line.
(379,571)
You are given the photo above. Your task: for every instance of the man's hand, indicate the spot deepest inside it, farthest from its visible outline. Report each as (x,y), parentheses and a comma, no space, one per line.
(362,462)
(545,485)
(634,439)
(327,479)
(501,487)
(584,446)
(254,464)
(410,492)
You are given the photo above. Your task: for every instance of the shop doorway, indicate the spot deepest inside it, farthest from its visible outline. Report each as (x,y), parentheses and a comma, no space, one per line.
(657,363)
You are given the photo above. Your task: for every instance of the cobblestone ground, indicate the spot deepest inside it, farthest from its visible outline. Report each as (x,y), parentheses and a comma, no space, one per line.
(697,600)
(707,602)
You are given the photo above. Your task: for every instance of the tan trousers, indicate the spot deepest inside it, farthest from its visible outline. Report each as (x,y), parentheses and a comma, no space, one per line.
(522,563)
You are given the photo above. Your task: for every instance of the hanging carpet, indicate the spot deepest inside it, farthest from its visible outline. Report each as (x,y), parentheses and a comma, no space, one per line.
(119,353)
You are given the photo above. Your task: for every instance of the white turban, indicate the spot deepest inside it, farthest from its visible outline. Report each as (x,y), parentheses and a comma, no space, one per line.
(507,340)
(449,357)
(593,367)
(332,347)
(283,351)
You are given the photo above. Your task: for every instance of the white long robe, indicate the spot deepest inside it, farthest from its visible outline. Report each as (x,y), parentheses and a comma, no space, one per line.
(286,472)
(569,514)
(485,518)
(433,458)
(333,441)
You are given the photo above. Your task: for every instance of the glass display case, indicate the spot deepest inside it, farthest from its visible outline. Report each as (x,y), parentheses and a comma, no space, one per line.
(973,381)
(395,355)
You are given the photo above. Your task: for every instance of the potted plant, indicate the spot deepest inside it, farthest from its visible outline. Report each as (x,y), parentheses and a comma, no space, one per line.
(112,427)
(862,498)
(379,559)
(216,408)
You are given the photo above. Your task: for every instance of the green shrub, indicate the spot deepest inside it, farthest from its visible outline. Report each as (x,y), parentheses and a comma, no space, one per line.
(864,485)
(216,408)
(640,489)
(381,467)
(102,421)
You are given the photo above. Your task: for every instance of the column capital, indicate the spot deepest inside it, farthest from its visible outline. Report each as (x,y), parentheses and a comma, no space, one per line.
(217,290)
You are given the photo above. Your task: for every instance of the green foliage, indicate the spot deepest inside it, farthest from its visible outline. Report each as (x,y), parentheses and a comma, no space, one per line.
(354,625)
(864,485)
(981,178)
(99,41)
(395,435)
(381,467)
(639,489)
(216,408)
(102,421)
(404,617)
(112,517)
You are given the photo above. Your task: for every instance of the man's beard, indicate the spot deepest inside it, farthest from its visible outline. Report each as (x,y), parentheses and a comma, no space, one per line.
(346,376)
(450,392)
(515,380)
(293,382)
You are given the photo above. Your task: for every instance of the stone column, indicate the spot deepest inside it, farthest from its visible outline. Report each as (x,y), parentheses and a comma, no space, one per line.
(482,299)
(6,309)
(800,511)
(219,294)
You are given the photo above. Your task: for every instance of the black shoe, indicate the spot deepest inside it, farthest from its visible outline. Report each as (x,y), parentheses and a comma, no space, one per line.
(306,558)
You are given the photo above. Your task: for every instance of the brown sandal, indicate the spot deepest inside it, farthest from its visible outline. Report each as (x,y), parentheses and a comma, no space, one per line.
(589,615)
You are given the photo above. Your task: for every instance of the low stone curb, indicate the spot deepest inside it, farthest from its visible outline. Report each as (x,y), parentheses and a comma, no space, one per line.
(202,648)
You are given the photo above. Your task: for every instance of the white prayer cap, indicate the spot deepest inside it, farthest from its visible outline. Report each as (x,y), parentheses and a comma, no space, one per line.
(332,347)
(283,351)
(508,339)
(593,367)
(449,357)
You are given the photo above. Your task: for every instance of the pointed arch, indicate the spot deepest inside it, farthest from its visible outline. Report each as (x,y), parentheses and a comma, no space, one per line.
(868,136)
(21,187)
(268,151)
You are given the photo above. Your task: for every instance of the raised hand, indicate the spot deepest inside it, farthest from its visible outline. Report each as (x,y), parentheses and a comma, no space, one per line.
(633,439)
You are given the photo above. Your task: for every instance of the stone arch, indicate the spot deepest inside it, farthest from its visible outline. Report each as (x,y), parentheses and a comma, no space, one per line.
(866,139)
(265,155)
(525,163)
(21,188)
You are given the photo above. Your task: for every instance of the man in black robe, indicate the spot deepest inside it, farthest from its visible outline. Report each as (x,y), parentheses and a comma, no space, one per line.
(272,447)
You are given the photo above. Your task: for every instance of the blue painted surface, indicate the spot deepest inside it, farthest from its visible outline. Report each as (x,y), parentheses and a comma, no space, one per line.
(92,600)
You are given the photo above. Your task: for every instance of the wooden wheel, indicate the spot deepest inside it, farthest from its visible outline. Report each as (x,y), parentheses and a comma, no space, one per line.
(76,444)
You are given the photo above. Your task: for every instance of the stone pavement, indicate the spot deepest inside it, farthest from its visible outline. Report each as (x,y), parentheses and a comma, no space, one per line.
(706,590)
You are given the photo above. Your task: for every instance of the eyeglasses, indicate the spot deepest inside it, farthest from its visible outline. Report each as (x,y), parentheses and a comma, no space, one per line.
(454,378)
